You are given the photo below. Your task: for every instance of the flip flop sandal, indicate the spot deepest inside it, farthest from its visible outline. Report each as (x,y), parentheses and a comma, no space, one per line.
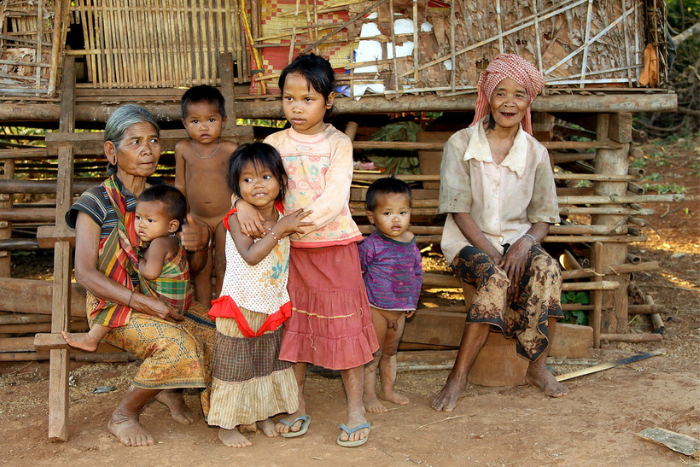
(349,431)
(305,422)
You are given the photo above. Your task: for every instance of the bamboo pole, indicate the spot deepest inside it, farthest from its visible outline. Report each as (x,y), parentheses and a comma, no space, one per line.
(646,309)
(632,338)
(656,320)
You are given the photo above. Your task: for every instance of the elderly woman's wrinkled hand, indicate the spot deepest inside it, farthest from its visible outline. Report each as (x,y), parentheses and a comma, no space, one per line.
(154,306)
(195,235)
(514,263)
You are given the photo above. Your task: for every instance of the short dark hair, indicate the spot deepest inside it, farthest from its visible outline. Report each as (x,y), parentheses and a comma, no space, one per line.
(385,186)
(260,155)
(203,93)
(317,71)
(172,198)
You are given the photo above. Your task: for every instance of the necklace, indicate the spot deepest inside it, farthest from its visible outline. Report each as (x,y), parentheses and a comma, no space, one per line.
(194,148)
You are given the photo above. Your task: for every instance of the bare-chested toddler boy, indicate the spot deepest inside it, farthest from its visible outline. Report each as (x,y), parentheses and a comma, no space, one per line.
(200,173)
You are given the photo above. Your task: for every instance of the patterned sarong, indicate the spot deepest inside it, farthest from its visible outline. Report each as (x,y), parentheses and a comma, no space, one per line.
(526,318)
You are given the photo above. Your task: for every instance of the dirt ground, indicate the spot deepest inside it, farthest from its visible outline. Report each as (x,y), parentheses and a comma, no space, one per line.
(517,426)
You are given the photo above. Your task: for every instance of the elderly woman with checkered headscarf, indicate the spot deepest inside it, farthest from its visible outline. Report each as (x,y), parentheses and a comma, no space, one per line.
(497,189)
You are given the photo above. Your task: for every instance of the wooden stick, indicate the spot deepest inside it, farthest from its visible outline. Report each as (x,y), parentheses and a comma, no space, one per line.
(656,320)
(598,294)
(633,338)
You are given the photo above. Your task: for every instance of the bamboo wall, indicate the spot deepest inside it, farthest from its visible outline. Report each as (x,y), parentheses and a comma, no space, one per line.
(431,46)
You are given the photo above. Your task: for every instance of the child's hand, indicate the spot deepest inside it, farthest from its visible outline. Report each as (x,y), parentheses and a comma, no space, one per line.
(294,222)
(252,222)
(195,235)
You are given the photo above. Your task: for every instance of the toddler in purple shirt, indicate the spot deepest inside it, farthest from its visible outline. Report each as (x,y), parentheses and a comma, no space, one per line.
(393,275)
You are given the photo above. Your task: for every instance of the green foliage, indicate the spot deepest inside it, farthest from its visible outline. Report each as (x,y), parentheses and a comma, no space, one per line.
(579,317)
(664,188)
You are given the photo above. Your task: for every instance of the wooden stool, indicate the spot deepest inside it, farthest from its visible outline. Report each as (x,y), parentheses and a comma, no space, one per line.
(498,363)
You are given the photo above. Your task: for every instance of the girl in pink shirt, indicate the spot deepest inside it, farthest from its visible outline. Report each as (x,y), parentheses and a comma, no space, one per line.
(331,322)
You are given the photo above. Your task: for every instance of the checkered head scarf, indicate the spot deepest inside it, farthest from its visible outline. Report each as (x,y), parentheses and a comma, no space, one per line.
(510,66)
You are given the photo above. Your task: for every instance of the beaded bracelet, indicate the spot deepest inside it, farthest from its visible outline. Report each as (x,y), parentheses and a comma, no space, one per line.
(273,235)
(533,238)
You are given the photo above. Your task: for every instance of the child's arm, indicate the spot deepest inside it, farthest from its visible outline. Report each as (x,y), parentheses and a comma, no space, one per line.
(253,252)
(180,168)
(250,220)
(366,251)
(152,262)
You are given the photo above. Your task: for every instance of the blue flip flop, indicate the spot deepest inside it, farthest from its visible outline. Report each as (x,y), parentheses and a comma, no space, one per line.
(349,431)
(305,422)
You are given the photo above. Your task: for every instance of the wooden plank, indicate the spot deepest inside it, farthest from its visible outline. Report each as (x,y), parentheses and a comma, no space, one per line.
(677,442)
(434,327)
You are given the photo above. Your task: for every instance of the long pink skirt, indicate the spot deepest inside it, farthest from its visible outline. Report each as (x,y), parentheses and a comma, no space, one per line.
(331,322)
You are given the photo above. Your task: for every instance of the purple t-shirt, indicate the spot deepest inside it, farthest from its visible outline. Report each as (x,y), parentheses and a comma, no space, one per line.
(392,272)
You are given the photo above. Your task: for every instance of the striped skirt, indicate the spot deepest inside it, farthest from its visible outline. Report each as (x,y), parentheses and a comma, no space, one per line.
(249,382)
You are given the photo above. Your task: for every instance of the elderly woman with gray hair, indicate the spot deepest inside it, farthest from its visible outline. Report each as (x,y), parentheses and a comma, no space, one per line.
(173,348)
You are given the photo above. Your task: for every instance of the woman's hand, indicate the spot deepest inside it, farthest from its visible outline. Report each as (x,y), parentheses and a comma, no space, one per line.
(514,262)
(154,306)
(252,222)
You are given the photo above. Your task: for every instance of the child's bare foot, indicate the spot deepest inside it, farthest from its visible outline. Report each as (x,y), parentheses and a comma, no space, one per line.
(372,404)
(355,418)
(393,396)
(540,376)
(293,424)
(268,427)
(176,403)
(81,340)
(128,431)
(233,439)
(447,398)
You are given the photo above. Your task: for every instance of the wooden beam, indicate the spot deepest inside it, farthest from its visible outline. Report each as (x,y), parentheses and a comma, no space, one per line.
(609,102)
(63,263)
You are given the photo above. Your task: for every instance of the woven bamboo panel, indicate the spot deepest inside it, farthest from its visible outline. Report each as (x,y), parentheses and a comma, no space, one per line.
(575,43)
(28,49)
(159,43)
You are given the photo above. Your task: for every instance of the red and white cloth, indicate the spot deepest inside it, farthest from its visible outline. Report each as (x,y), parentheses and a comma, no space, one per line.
(507,66)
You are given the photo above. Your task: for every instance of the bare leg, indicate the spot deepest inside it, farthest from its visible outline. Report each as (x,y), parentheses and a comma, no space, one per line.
(233,438)
(387,364)
(86,340)
(300,374)
(219,256)
(202,283)
(124,423)
(176,403)
(353,380)
(473,339)
(268,427)
(539,375)
(372,403)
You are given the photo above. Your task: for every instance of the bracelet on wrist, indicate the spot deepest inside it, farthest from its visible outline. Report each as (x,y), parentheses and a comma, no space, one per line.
(534,240)
(128,303)
(272,233)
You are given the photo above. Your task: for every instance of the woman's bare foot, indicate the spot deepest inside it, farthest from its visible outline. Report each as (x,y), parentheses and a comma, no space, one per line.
(355,418)
(372,404)
(173,399)
(268,427)
(447,398)
(393,396)
(233,438)
(81,340)
(540,376)
(129,431)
